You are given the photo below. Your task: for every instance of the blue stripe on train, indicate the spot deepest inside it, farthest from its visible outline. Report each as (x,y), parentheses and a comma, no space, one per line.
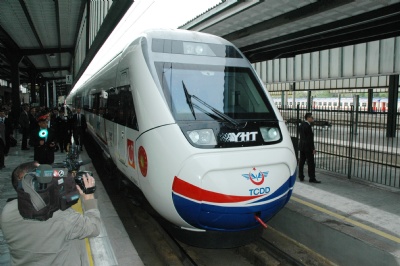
(225,218)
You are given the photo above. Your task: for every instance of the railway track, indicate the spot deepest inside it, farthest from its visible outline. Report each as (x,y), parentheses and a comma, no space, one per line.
(157,247)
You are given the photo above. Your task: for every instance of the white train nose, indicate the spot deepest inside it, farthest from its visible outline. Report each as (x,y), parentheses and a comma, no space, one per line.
(231,191)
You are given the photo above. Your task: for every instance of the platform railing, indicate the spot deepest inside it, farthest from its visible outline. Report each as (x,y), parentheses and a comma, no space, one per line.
(352,142)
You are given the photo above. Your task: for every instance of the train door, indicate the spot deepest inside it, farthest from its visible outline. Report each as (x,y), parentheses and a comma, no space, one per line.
(120,125)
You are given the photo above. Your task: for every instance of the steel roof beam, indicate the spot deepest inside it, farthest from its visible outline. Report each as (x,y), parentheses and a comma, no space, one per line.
(27,52)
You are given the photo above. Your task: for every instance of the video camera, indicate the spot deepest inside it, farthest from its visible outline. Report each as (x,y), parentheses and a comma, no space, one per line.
(45,191)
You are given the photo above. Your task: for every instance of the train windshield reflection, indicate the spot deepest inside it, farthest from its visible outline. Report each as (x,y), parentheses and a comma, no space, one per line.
(231,91)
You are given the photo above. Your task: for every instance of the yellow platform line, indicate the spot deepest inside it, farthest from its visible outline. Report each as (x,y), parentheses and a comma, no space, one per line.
(78,207)
(348,220)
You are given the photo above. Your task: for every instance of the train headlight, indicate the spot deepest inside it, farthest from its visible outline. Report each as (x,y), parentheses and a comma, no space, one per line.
(202,137)
(270,133)
(193,48)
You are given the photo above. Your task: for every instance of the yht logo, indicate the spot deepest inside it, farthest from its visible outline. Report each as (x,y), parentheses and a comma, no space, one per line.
(238,137)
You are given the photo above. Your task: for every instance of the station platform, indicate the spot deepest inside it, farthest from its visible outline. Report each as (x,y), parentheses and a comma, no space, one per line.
(347,221)
(112,247)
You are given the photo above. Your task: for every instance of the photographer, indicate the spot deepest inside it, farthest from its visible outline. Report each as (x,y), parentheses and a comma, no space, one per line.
(59,240)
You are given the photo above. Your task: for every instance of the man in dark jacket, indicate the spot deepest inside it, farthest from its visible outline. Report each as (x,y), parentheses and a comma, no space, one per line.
(307,149)
(44,141)
(63,130)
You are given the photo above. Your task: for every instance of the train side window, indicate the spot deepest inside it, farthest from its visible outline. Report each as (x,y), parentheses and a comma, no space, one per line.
(112,104)
(78,101)
(95,103)
(130,118)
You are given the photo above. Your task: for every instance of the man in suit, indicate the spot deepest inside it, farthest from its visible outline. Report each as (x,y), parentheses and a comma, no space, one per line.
(24,123)
(307,149)
(79,127)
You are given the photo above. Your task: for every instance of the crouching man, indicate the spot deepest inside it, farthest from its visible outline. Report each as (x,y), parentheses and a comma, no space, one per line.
(41,231)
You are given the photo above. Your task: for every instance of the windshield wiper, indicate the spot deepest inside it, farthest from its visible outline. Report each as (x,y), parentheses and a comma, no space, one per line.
(215,111)
(188,99)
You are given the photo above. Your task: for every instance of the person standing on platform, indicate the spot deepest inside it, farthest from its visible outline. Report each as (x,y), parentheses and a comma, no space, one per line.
(79,127)
(44,141)
(64,129)
(24,123)
(307,149)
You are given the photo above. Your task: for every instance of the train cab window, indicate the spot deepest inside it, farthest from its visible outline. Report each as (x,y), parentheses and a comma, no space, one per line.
(335,104)
(203,92)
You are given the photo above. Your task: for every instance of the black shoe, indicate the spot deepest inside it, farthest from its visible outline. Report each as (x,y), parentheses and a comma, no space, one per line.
(314,181)
(3,166)
(301,179)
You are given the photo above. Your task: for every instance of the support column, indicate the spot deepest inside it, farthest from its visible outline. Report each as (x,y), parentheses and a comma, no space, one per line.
(370,99)
(392,106)
(32,76)
(15,80)
(283,100)
(309,101)
(42,93)
(47,94)
(54,94)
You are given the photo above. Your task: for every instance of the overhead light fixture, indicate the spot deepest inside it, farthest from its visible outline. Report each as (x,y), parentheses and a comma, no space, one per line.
(52,55)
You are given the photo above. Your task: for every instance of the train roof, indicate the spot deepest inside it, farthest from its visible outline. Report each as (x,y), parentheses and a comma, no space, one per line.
(184,35)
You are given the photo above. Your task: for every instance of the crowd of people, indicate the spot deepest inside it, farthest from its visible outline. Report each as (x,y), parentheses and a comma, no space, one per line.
(44,129)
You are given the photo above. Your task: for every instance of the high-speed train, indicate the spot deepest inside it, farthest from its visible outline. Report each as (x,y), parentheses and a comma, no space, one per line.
(184,116)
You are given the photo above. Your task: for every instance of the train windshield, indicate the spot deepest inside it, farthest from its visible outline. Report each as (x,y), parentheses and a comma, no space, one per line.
(203,92)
